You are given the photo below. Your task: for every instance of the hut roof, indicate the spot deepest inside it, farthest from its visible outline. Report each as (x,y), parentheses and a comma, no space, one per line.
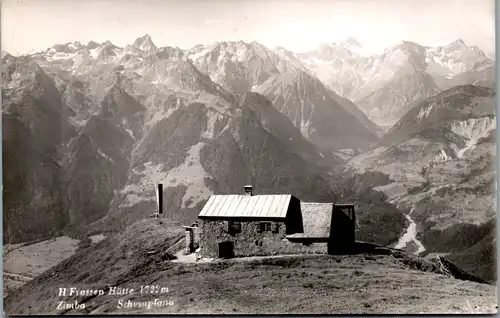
(316,218)
(255,206)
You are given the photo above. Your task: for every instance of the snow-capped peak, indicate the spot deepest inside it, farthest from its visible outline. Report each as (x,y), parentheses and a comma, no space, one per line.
(457,45)
(145,43)
(351,43)
(69,47)
(108,44)
(458,42)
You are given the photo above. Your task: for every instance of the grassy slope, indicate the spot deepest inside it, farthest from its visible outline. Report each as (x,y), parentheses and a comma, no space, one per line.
(392,283)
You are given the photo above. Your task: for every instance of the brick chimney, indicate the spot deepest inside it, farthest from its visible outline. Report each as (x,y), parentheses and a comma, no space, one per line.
(248,190)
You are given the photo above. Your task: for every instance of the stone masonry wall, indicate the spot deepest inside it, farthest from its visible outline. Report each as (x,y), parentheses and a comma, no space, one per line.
(250,242)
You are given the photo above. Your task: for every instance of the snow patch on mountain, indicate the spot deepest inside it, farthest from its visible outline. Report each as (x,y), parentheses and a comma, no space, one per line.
(424,113)
(127,129)
(442,157)
(94,53)
(305,123)
(77,121)
(104,155)
(472,130)
(61,56)
(15,80)
(198,53)
(213,118)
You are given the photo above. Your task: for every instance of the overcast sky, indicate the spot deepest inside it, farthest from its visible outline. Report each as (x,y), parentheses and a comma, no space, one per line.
(297,25)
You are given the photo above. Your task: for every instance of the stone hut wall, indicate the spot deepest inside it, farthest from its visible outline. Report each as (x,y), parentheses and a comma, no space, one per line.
(251,242)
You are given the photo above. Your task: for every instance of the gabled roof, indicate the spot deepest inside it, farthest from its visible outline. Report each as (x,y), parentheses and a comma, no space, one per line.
(255,206)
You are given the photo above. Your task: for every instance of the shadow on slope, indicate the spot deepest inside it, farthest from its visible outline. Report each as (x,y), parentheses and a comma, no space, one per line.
(470,246)
(378,221)
(111,262)
(140,256)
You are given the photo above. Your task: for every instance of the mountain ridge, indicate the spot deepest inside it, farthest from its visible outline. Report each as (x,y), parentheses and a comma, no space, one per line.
(212,118)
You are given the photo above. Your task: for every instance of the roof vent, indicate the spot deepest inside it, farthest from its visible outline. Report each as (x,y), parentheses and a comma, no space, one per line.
(248,190)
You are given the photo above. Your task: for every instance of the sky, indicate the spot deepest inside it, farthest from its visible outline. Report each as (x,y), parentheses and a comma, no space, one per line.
(297,25)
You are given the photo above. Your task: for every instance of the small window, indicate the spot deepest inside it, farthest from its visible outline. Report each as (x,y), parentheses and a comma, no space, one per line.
(264,226)
(275,228)
(258,228)
(234,227)
(261,227)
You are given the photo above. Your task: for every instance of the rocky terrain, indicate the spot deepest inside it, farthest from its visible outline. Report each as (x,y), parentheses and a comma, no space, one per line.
(124,119)
(278,75)
(438,163)
(407,135)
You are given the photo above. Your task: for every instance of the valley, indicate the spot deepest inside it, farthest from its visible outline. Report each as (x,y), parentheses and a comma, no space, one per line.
(89,130)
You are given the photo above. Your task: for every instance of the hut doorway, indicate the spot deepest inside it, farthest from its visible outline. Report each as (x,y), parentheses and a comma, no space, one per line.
(226,250)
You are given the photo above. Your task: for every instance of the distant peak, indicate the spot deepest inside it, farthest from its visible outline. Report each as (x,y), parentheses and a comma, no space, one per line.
(351,42)
(407,46)
(458,41)
(145,38)
(108,43)
(255,43)
(145,43)
(406,43)
(280,49)
(92,45)
(457,44)
(228,43)
(74,43)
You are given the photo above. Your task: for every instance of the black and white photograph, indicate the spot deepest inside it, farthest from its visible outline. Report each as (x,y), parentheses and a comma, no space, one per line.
(216,157)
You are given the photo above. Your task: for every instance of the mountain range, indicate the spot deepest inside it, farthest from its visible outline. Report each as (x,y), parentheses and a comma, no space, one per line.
(387,85)
(89,130)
